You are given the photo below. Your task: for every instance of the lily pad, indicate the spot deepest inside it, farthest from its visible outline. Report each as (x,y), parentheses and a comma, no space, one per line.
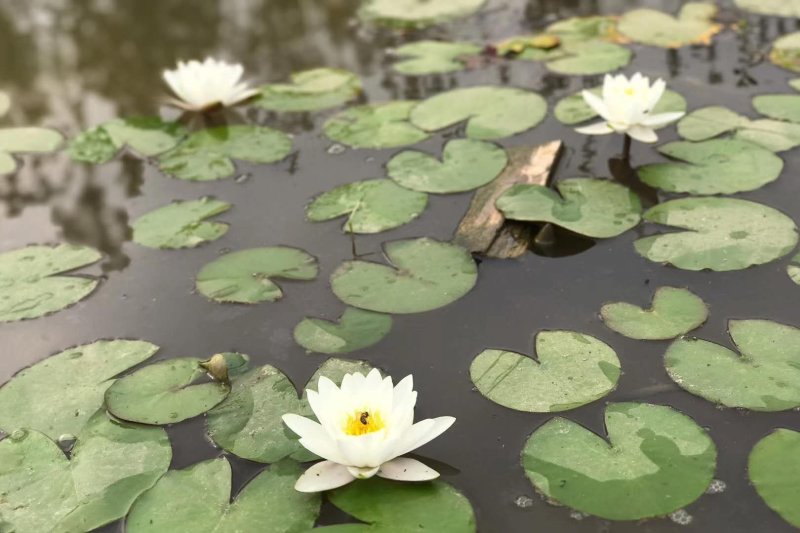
(709,122)
(198,499)
(774,470)
(596,208)
(181,224)
(489,112)
(778,106)
(674,313)
(583,58)
(693,25)
(147,136)
(656,461)
(786,52)
(416,13)
(371,206)
(571,369)
(207,154)
(718,166)
(765,377)
(793,269)
(433,57)
(721,234)
(425,274)
(311,90)
(777,8)
(466,164)
(375,126)
(25,140)
(244,276)
(355,330)
(573,109)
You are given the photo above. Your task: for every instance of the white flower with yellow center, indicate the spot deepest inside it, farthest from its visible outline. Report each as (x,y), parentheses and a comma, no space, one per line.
(627,107)
(364,427)
(200,86)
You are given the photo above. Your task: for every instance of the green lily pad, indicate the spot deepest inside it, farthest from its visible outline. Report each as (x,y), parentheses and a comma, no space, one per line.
(181,224)
(777,8)
(786,52)
(466,164)
(573,109)
(602,27)
(425,274)
(778,106)
(112,463)
(693,25)
(765,377)
(32,284)
(596,208)
(207,154)
(375,126)
(198,499)
(311,90)
(416,13)
(793,269)
(656,461)
(147,136)
(585,58)
(371,206)
(433,57)
(25,140)
(674,312)
(571,369)
(355,330)
(709,122)
(718,166)
(244,276)
(774,470)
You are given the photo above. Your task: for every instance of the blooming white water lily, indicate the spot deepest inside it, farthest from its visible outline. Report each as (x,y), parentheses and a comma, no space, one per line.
(364,427)
(626,107)
(200,86)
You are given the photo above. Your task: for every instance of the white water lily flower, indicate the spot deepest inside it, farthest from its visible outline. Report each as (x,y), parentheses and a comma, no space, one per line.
(364,427)
(200,86)
(626,107)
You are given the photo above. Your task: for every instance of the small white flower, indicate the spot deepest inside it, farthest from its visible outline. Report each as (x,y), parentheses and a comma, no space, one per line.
(200,86)
(364,427)
(626,107)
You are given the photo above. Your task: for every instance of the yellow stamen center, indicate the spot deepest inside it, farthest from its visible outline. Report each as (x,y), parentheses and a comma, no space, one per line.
(629,91)
(362,422)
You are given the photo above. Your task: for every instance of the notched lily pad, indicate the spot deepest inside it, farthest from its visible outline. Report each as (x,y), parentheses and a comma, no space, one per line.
(774,470)
(147,136)
(573,109)
(416,13)
(693,25)
(355,330)
(311,90)
(786,52)
(433,57)
(181,224)
(674,312)
(383,125)
(709,122)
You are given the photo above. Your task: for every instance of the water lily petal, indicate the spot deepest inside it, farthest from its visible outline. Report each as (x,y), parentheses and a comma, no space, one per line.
(653,121)
(642,134)
(314,437)
(422,433)
(407,469)
(325,475)
(656,92)
(597,104)
(599,128)
(362,473)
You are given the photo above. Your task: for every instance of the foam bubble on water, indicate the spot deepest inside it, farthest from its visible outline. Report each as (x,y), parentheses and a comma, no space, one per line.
(577,515)
(336,149)
(523,502)
(681,517)
(717,486)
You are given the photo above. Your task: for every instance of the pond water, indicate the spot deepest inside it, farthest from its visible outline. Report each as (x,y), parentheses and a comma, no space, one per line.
(74,64)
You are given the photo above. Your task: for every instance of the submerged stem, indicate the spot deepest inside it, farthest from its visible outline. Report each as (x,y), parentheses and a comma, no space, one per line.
(626,148)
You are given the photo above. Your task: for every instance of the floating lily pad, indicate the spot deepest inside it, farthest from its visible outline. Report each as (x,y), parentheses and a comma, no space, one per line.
(778,106)
(765,377)
(774,470)
(181,224)
(786,52)
(371,206)
(582,57)
(602,27)
(311,90)
(425,274)
(208,154)
(793,269)
(573,109)
(489,112)
(693,25)
(375,126)
(198,499)
(244,276)
(596,208)
(674,312)
(721,234)
(25,140)
(355,330)
(571,369)
(147,136)
(718,166)
(433,57)
(416,13)
(112,463)
(658,461)
(709,122)
(777,8)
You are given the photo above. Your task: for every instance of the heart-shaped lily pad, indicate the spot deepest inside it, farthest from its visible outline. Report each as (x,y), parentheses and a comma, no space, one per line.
(581,57)
(416,13)
(244,276)
(383,125)
(793,269)
(774,470)
(425,274)
(25,140)
(693,25)
(721,234)
(32,283)
(147,136)
(777,8)
(371,206)
(778,106)
(355,330)
(181,224)
(573,109)
(198,499)
(657,461)
(596,208)
(786,52)
(709,122)
(673,313)
(765,377)
(433,57)
(311,90)
(489,112)
(571,369)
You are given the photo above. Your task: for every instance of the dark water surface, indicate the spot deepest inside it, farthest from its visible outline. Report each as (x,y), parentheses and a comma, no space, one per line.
(73,64)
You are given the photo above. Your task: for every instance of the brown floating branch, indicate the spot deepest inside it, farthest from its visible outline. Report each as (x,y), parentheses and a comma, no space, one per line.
(484,230)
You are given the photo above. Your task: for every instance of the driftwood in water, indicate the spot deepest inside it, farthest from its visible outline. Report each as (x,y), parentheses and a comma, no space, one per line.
(484,229)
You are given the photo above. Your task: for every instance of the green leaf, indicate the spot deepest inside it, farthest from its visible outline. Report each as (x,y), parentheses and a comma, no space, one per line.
(311,90)
(416,13)
(7,163)
(674,312)
(709,122)
(433,57)
(719,166)
(593,207)
(383,125)
(147,136)
(112,463)
(371,206)
(774,470)
(30,284)
(765,377)
(603,27)
(573,109)
(793,269)
(571,369)
(355,330)
(658,460)
(693,25)
(181,224)
(198,499)
(466,164)
(586,58)
(778,106)
(244,276)
(490,112)
(777,8)
(207,154)
(425,274)
(29,140)
(786,52)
